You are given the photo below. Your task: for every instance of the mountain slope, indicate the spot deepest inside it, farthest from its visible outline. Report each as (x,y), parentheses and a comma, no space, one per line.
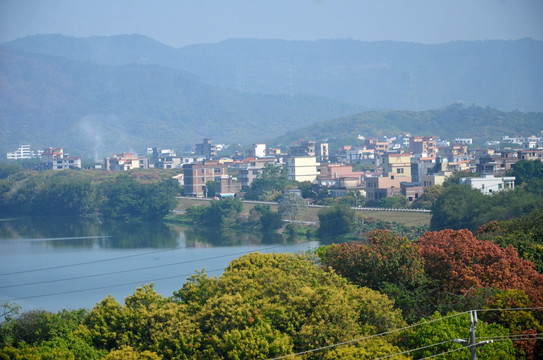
(453,121)
(95,110)
(506,75)
(379,75)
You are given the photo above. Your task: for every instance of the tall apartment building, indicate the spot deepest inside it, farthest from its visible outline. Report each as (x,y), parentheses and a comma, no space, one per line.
(22,152)
(382,187)
(425,145)
(306,148)
(56,159)
(197,175)
(311,148)
(206,149)
(250,169)
(122,162)
(257,151)
(322,152)
(302,168)
(397,165)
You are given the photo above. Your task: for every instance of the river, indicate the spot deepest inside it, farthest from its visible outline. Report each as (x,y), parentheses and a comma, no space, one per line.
(56,263)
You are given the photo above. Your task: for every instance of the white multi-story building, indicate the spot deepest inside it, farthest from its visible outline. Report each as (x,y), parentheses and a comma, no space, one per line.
(69,162)
(467,141)
(302,168)
(489,184)
(23,152)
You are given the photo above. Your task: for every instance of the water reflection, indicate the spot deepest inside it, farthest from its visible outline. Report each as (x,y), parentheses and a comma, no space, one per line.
(62,232)
(88,233)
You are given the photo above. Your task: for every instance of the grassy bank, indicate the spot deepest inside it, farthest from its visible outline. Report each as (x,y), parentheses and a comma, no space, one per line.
(402,217)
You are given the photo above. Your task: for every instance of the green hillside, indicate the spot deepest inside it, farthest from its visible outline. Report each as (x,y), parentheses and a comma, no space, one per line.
(388,75)
(453,121)
(93,110)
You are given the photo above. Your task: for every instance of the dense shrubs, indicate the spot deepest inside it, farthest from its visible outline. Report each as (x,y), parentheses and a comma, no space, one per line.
(72,193)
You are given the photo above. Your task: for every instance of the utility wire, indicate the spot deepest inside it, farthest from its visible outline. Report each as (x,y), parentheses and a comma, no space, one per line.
(470,346)
(413,350)
(498,338)
(368,337)
(446,352)
(134,255)
(137,269)
(136,282)
(89,262)
(511,309)
(520,339)
(512,337)
(105,287)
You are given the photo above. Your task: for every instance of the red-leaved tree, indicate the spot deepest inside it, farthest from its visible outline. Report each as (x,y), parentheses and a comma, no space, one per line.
(461,263)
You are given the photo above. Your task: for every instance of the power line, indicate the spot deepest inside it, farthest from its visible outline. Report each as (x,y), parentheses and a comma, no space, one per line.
(125,257)
(89,262)
(516,337)
(413,350)
(446,352)
(104,287)
(497,338)
(134,282)
(130,256)
(367,337)
(137,269)
(512,309)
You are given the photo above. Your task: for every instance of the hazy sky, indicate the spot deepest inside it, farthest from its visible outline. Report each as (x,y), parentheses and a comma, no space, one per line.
(182,22)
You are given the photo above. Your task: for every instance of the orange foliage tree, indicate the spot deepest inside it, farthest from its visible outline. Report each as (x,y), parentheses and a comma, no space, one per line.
(461,262)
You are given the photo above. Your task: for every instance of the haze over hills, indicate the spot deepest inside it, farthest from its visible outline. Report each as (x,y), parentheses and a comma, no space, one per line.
(376,75)
(119,93)
(456,120)
(94,110)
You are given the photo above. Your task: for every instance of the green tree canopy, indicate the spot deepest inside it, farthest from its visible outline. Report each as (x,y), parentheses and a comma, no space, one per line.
(524,233)
(428,197)
(269,186)
(336,220)
(393,202)
(298,304)
(221,213)
(525,170)
(437,335)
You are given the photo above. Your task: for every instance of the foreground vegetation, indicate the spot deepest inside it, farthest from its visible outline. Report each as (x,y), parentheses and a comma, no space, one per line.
(146,195)
(271,305)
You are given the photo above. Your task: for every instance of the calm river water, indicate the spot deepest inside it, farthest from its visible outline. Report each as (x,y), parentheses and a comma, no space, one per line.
(56,263)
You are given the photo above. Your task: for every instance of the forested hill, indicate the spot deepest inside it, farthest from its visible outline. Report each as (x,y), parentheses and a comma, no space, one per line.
(390,75)
(453,121)
(95,96)
(93,110)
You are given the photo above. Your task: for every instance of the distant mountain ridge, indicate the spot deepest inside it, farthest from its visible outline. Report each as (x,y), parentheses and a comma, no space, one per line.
(99,95)
(94,110)
(386,75)
(454,121)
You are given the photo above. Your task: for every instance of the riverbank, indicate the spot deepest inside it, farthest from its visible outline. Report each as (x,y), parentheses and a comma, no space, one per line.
(409,218)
